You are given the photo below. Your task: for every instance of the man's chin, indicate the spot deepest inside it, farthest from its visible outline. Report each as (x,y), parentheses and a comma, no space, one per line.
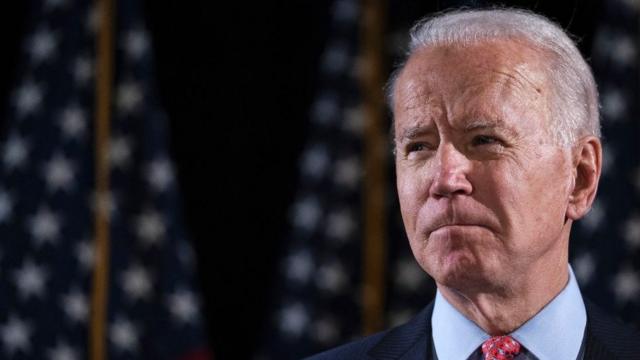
(459,275)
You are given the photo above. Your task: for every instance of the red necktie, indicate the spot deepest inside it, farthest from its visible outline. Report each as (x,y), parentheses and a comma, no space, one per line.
(500,348)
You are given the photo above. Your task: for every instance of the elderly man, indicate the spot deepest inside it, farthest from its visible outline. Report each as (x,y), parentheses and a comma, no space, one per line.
(497,153)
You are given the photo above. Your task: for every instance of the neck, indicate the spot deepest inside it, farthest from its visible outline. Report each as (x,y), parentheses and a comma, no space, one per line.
(502,312)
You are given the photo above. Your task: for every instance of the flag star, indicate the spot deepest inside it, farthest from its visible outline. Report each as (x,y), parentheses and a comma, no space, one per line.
(354,120)
(82,70)
(315,161)
(85,254)
(631,231)
(624,50)
(30,280)
(614,104)
(340,225)
(128,97)
(408,275)
(16,151)
(594,217)
(136,43)
(15,335)
(75,306)
(299,266)
(306,214)
(42,45)
(59,173)
(345,10)
(347,172)
(626,285)
(63,351)
(104,202)
(136,282)
(608,159)
(124,335)
(325,109)
(584,266)
(332,277)
(44,226)
(183,306)
(28,98)
(73,122)
(6,206)
(160,174)
(120,152)
(336,57)
(150,227)
(326,330)
(293,320)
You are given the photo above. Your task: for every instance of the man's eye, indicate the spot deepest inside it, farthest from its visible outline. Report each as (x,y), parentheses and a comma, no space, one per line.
(416,147)
(485,140)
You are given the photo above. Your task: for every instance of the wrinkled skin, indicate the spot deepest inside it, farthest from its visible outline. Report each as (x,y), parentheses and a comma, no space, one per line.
(487,195)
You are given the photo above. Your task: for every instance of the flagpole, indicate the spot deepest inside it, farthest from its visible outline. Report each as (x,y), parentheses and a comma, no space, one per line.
(374,244)
(104,84)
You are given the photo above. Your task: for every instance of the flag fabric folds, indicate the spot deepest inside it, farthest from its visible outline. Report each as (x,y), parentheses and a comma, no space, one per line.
(47,201)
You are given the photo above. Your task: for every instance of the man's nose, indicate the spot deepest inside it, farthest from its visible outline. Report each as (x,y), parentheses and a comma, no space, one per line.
(451,173)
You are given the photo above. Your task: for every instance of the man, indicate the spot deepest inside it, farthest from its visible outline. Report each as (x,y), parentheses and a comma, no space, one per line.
(497,152)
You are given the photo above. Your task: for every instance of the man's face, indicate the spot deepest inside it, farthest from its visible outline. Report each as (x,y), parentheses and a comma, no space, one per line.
(483,187)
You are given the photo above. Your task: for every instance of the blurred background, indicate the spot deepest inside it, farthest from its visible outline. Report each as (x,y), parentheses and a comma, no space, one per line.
(242,222)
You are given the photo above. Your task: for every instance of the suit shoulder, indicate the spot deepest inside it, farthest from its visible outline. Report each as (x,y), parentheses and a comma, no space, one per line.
(354,350)
(621,339)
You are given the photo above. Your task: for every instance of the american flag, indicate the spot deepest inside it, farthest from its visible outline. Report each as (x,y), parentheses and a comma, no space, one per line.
(47,201)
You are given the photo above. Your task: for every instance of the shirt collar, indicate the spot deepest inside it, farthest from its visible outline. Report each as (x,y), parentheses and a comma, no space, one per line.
(555,332)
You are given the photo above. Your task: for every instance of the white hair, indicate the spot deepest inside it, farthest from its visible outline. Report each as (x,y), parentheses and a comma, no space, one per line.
(575,98)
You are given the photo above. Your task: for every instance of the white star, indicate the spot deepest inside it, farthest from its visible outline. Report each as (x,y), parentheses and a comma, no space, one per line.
(345,10)
(315,161)
(128,97)
(325,109)
(626,285)
(354,120)
(73,122)
(85,254)
(608,159)
(44,226)
(136,43)
(306,214)
(332,277)
(120,152)
(59,173)
(16,151)
(336,57)
(299,266)
(28,98)
(631,231)
(150,228)
(183,306)
(293,320)
(594,217)
(124,335)
(340,225)
(15,335)
(624,50)
(584,266)
(159,174)
(136,282)
(82,70)
(30,280)
(75,306)
(62,351)
(409,276)
(614,104)
(325,330)
(42,45)
(6,206)
(347,172)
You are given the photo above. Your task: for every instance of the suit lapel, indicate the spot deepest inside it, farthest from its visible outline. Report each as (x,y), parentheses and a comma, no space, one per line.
(410,341)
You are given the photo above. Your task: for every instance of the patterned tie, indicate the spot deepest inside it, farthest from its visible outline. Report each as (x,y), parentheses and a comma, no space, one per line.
(500,348)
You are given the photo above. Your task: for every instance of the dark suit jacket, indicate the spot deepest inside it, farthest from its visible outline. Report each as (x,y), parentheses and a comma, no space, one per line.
(605,339)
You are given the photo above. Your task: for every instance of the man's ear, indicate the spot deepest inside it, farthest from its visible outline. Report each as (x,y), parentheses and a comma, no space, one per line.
(587,165)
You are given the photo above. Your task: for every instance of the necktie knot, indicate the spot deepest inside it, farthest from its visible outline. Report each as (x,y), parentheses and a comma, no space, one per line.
(500,348)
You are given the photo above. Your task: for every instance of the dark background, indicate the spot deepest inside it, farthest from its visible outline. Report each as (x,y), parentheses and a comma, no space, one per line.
(236,79)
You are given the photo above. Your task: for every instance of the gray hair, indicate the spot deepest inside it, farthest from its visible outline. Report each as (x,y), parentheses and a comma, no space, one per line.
(575,101)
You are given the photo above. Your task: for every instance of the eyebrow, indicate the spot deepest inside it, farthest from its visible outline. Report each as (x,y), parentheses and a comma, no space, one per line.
(471,126)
